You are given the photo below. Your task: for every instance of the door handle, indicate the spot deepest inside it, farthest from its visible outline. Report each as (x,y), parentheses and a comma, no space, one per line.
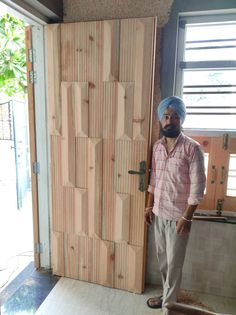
(142,175)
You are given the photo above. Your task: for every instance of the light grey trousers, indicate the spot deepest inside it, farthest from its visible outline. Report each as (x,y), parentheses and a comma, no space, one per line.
(171,249)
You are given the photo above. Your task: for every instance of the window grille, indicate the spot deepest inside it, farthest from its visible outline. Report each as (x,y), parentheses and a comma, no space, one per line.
(6,131)
(206,73)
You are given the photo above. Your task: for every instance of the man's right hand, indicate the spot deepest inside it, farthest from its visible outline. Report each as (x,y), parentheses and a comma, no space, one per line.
(149,215)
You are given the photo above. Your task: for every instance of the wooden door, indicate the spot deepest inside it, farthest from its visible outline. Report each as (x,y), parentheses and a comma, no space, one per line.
(100,77)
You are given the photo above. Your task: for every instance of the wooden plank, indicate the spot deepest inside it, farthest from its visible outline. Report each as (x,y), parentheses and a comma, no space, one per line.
(69,209)
(53,66)
(95,110)
(109,125)
(68,135)
(81,211)
(108,203)
(111,33)
(57,223)
(81,106)
(123,163)
(128,267)
(122,218)
(107,262)
(69,52)
(143,74)
(84,258)
(109,101)
(102,257)
(58,254)
(121,270)
(95,187)
(71,256)
(81,162)
(135,269)
(127,50)
(89,51)
(124,128)
(137,197)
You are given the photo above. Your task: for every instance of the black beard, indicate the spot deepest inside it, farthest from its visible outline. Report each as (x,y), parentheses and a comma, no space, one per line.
(170,131)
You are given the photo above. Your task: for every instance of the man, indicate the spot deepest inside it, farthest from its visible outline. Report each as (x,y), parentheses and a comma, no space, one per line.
(176,188)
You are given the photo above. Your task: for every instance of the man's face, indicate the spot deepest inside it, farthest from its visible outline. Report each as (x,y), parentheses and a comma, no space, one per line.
(170,124)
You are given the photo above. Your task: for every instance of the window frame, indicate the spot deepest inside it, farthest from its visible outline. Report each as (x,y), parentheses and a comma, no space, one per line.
(181,65)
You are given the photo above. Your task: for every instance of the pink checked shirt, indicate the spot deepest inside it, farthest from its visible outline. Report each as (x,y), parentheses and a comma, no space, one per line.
(178,178)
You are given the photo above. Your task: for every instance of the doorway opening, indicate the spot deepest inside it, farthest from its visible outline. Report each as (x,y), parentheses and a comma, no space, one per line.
(16,219)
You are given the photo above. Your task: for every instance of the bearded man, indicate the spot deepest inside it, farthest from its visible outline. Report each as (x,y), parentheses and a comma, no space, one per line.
(176,188)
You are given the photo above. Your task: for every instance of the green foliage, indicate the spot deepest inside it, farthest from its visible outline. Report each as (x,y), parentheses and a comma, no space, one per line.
(12,56)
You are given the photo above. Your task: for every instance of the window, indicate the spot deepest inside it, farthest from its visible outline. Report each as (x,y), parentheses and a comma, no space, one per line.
(206,72)
(206,80)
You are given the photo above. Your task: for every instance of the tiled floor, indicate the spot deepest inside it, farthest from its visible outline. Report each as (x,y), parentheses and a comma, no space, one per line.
(26,292)
(40,293)
(73,297)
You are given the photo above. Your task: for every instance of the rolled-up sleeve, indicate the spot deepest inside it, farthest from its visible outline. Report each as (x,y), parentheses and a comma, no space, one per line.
(197,177)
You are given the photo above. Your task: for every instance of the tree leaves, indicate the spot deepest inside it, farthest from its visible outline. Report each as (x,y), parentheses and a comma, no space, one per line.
(12,56)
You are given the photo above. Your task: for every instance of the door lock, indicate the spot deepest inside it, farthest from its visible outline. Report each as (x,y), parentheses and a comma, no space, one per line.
(142,175)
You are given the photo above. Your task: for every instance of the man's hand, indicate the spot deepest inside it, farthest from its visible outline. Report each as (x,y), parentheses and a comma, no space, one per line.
(149,215)
(183,226)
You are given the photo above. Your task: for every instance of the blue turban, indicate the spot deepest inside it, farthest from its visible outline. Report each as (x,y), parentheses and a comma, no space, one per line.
(176,104)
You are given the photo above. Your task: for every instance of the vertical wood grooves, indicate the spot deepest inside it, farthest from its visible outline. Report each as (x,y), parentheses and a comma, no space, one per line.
(95,187)
(137,200)
(58,253)
(127,50)
(108,189)
(56,175)
(125,100)
(99,131)
(95,110)
(89,51)
(111,30)
(68,135)
(69,62)
(69,209)
(120,266)
(84,261)
(109,109)
(71,256)
(81,211)
(81,162)
(123,164)
(54,66)
(81,108)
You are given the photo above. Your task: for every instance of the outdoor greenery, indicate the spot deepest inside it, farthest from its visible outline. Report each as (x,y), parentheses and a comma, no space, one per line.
(12,56)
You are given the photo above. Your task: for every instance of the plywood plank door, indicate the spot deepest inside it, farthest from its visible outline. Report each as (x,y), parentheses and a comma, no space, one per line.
(100,99)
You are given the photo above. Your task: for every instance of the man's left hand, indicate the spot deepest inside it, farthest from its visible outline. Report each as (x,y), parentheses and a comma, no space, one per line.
(183,226)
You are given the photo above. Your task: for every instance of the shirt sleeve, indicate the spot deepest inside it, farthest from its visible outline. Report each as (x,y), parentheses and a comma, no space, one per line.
(197,177)
(151,187)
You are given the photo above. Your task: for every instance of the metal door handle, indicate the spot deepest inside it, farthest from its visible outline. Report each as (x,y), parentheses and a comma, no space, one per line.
(142,175)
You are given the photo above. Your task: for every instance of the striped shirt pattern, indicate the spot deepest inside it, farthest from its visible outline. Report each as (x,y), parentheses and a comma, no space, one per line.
(178,178)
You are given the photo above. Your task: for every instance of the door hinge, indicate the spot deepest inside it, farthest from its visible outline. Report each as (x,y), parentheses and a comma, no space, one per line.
(32,77)
(38,248)
(36,167)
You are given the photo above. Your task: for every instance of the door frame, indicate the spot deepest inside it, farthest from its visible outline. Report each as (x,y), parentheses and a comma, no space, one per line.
(39,148)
